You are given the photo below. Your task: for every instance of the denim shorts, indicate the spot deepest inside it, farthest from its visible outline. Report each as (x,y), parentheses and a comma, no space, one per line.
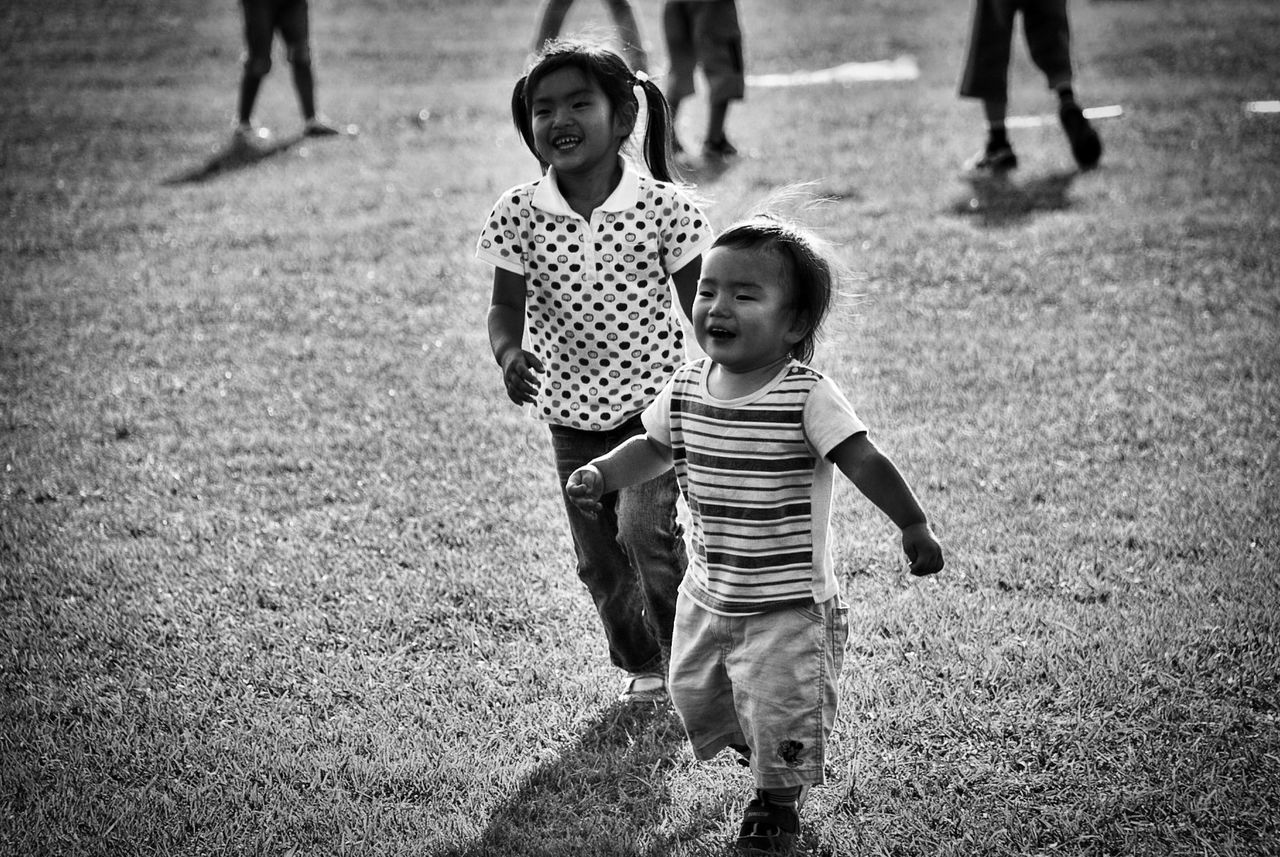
(769,682)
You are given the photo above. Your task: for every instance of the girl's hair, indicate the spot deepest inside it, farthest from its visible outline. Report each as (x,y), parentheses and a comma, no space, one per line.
(617,82)
(802,253)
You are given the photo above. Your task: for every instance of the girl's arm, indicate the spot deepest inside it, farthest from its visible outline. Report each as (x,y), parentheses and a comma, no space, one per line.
(631,462)
(506,336)
(686,280)
(878,478)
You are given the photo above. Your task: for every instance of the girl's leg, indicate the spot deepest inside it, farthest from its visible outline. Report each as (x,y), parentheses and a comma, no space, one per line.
(603,566)
(653,540)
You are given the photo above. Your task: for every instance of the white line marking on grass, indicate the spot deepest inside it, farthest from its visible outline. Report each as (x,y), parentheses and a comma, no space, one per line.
(1111,111)
(899,68)
(1262,107)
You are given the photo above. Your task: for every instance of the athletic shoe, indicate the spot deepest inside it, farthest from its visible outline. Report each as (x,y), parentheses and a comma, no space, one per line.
(718,150)
(644,687)
(317,127)
(1086,146)
(996,158)
(768,827)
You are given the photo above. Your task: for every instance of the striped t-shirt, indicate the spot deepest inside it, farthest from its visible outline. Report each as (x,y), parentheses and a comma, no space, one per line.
(755,474)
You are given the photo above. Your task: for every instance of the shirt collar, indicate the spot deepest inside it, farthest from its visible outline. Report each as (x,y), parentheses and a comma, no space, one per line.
(547,196)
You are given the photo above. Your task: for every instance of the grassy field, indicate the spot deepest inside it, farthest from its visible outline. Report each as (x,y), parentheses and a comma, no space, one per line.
(282,572)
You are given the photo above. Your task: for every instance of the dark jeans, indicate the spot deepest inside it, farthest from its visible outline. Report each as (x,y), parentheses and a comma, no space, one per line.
(631,556)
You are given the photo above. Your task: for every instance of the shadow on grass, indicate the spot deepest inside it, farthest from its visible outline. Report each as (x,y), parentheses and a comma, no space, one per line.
(1001,200)
(236,155)
(603,795)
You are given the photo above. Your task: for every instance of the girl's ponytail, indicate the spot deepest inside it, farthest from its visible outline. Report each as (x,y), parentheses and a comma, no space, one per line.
(520,115)
(657,130)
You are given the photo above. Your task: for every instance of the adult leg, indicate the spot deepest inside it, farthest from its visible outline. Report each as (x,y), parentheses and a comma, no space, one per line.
(986,77)
(259,28)
(718,37)
(624,18)
(550,21)
(294,25)
(986,68)
(677,31)
(1049,43)
(1044,23)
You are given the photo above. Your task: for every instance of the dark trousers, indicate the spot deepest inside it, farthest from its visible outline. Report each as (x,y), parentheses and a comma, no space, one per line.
(1044,22)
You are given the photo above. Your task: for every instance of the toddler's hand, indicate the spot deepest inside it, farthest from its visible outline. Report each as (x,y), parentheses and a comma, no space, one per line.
(520,374)
(922,549)
(585,487)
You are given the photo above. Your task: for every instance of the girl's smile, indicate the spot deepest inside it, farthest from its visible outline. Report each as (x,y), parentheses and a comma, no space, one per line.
(575,128)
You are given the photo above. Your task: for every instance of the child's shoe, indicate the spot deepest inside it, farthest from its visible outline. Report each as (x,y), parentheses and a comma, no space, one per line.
(1086,146)
(768,827)
(644,687)
(995,159)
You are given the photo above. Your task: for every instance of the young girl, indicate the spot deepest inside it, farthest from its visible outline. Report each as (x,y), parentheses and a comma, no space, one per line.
(755,434)
(583,323)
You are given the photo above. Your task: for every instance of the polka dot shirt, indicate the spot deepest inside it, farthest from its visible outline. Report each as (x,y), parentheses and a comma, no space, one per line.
(600,312)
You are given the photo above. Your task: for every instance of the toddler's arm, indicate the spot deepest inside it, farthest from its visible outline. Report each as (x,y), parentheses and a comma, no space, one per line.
(631,462)
(506,337)
(878,478)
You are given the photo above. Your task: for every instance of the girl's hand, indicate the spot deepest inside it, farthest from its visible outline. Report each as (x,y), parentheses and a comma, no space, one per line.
(922,549)
(520,371)
(585,488)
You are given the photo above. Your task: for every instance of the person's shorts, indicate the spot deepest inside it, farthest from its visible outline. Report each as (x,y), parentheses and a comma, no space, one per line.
(768,682)
(704,33)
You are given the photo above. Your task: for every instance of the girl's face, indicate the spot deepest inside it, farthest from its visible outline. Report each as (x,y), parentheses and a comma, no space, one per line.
(743,315)
(575,128)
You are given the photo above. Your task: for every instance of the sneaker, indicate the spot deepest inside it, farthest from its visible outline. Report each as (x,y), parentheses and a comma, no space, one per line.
(768,827)
(996,158)
(718,150)
(1086,146)
(644,687)
(317,127)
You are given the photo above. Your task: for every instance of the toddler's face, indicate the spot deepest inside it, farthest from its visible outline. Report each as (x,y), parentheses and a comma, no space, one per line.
(743,315)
